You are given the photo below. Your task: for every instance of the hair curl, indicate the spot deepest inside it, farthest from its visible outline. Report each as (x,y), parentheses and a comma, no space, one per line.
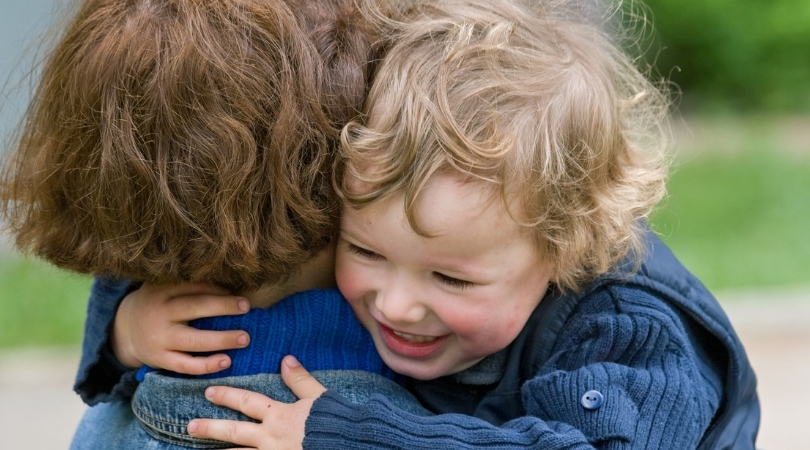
(173,140)
(536,100)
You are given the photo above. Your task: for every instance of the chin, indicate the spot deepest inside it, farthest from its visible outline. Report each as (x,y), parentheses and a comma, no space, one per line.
(415,370)
(419,375)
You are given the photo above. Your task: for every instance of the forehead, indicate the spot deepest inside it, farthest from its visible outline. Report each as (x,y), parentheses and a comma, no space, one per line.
(465,226)
(448,202)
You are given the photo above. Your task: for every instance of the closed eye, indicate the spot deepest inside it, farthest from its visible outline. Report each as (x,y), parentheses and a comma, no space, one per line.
(453,282)
(364,253)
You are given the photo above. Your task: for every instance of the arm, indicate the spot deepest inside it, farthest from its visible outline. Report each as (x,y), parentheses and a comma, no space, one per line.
(656,395)
(129,326)
(324,419)
(101,377)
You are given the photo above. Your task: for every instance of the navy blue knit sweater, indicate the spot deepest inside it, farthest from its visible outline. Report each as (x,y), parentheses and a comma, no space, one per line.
(654,347)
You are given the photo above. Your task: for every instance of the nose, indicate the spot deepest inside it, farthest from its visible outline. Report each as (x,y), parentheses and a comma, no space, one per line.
(399,303)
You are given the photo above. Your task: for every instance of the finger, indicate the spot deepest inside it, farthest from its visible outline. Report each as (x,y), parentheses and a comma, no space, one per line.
(195,365)
(188,339)
(299,380)
(235,432)
(190,307)
(252,404)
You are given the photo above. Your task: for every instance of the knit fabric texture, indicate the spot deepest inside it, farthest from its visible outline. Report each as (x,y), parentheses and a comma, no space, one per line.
(318,327)
(620,341)
(655,345)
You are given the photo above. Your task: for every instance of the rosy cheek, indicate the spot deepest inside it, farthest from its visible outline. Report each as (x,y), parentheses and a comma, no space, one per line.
(481,331)
(350,282)
(468,326)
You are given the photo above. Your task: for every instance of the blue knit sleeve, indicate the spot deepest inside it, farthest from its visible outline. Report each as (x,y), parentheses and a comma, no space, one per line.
(624,344)
(101,377)
(635,350)
(316,326)
(336,424)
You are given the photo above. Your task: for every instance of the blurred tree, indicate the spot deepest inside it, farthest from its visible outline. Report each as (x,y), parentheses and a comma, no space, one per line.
(734,54)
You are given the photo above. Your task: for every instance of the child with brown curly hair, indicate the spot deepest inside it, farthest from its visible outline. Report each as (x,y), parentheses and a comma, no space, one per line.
(174,140)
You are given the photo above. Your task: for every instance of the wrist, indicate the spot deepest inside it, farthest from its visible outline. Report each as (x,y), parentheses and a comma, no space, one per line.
(123,356)
(120,350)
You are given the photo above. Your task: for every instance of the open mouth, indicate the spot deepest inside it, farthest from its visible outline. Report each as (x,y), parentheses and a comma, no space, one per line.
(413,337)
(411,345)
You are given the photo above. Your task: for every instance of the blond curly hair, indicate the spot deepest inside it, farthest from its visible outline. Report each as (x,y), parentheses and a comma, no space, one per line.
(535,100)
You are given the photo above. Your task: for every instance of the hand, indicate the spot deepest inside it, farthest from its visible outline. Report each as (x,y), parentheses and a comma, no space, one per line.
(151,327)
(281,425)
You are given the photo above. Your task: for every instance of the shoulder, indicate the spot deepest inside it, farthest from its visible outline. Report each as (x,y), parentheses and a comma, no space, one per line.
(633,347)
(626,322)
(111,288)
(654,294)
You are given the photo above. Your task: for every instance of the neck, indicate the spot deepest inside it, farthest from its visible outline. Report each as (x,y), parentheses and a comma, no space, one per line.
(317,273)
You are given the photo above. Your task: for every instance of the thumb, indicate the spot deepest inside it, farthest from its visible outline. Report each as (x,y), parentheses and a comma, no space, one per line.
(299,380)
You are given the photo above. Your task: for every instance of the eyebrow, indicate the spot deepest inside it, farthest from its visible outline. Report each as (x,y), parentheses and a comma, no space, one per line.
(357,241)
(349,234)
(466,270)
(456,269)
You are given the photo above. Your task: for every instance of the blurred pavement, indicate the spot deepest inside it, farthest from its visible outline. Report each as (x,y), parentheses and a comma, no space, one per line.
(38,409)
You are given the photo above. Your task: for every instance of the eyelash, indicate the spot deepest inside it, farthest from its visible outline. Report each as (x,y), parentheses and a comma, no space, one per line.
(368,254)
(444,279)
(453,282)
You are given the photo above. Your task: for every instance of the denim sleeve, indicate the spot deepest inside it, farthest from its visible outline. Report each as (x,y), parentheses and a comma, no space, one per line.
(101,377)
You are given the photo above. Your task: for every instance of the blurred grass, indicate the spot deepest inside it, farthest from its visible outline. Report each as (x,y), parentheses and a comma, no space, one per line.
(39,305)
(738,211)
(737,215)
(733,55)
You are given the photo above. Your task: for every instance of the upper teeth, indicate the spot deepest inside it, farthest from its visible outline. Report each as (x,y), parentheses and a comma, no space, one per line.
(414,338)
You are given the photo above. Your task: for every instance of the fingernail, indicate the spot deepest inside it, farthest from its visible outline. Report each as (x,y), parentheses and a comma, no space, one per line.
(192,427)
(243,305)
(242,340)
(291,362)
(224,364)
(210,392)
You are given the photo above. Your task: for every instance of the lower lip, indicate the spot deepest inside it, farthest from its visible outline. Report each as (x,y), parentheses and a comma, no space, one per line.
(403,347)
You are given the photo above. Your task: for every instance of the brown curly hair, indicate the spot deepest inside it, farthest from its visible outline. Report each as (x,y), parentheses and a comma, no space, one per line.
(535,100)
(173,140)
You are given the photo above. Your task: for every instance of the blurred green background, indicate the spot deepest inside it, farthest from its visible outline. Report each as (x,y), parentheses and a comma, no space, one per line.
(738,209)
(734,56)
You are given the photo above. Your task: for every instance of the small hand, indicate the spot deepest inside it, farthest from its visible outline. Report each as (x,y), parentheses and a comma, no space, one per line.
(281,425)
(151,327)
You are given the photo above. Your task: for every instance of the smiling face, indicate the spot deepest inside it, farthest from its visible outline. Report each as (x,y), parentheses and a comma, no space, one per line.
(438,305)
